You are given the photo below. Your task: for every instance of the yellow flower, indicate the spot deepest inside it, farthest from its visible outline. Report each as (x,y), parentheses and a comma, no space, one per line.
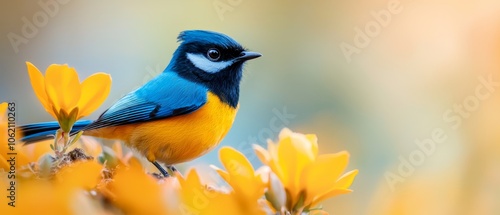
(243,198)
(64,97)
(135,192)
(67,194)
(198,198)
(308,178)
(247,186)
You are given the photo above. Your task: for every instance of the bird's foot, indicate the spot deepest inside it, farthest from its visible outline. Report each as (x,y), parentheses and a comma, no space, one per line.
(171,170)
(166,173)
(163,171)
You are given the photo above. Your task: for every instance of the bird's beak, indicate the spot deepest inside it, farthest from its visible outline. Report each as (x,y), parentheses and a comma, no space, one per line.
(246,55)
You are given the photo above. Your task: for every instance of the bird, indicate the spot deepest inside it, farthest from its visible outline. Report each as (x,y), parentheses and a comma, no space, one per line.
(179,115)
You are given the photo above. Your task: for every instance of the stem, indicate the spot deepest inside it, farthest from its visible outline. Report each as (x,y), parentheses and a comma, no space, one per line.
(65,138)
(56,144)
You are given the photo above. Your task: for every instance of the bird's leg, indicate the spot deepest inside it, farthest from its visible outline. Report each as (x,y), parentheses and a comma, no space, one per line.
(163,172)
(171,169)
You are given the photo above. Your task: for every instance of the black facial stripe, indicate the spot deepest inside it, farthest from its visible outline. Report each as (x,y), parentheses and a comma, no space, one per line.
(226,53)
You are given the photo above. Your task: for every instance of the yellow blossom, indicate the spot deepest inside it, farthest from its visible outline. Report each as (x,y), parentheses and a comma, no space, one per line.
(247,188)
(67,194)
(240,174)
(308,178)
(64,97)
(199,198)
(135,192)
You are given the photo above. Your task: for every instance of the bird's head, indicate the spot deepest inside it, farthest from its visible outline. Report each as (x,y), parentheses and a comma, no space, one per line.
(212,59)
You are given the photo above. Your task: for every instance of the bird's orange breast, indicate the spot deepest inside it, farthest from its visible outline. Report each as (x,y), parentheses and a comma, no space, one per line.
(176,139)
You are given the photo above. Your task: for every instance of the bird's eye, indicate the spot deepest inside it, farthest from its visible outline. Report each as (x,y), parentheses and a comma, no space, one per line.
(213,54)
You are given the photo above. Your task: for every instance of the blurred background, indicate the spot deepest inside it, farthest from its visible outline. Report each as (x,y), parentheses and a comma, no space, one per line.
(406,69)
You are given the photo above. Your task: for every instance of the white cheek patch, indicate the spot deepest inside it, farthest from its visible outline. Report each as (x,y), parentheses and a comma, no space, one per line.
(201,62)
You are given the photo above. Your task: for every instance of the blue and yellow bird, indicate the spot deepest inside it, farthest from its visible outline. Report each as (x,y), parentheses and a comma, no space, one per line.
(182,113)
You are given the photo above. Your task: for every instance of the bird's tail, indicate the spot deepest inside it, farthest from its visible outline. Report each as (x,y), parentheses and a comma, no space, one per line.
(35,132)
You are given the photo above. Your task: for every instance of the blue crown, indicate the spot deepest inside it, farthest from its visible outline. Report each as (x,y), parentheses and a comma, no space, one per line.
(208,37)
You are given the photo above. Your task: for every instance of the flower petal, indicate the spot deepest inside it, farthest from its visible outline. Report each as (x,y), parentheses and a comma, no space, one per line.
(318,212)
(302,142)
(95,90)
(262,154)
(243,180)
(62,87)
(276,193)
(346,180)
(71,176)
(38,83)
(153,199)
(263,172)
(273,163)
(341,187)
(329,194)
(322,175)
(287,162)
(3,110)
(223,174)
(4,165)
(313,139)
(235,162)
(191,180)
(294,154)
(285,132)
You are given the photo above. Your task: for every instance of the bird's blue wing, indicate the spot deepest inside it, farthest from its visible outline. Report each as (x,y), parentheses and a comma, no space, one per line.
(165,96)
